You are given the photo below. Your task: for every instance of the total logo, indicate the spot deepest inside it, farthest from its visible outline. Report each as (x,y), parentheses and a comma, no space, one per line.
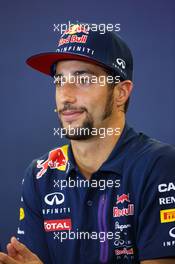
(57,225)
(55,198)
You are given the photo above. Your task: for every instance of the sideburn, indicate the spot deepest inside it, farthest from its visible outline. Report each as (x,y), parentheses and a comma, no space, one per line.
(109,102)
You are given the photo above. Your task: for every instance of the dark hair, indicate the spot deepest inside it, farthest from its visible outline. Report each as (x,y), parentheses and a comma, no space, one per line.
(53,69)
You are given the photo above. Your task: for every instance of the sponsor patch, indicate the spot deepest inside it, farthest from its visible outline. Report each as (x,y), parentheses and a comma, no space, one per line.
(57,225)
(167,216)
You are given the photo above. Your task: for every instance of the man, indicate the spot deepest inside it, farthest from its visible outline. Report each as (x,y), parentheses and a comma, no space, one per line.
(104,198)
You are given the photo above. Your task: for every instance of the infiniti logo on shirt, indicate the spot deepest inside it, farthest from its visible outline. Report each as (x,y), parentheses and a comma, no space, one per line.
(172,232)
(54,198)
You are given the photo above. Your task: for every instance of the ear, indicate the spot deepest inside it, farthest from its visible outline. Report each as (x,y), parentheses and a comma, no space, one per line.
(122,92)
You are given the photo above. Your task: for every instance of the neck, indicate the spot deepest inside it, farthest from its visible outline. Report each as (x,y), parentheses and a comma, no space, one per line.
(84,150)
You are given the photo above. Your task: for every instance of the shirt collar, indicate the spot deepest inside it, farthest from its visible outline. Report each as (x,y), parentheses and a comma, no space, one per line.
(115,161)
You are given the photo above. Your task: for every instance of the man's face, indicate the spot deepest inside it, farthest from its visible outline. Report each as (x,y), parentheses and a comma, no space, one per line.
(82,104)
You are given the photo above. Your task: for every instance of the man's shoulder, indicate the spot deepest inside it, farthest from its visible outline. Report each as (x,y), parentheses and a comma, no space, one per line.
(148,164)
(146,152)
(150,147)
(56,158)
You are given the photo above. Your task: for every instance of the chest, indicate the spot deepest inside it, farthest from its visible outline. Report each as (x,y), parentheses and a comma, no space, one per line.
(99,214)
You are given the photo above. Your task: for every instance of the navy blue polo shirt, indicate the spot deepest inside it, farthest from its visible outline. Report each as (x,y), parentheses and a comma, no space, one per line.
(124,214)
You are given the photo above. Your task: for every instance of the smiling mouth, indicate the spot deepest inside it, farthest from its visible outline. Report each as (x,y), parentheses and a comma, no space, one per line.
(71,115)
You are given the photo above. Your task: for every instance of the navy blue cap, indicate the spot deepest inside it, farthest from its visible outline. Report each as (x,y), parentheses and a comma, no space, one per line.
(81,43)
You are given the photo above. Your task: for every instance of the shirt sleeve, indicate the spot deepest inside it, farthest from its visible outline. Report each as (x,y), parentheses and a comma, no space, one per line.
(31,230)
(156,223)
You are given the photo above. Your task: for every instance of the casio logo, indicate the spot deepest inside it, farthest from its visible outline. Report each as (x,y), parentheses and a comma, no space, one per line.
(166,187)
(54,198)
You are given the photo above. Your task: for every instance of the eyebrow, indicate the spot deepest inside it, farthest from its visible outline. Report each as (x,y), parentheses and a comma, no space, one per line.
(79,72)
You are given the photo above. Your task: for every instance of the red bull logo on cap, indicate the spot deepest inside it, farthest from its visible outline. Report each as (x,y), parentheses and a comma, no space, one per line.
(57,159)
(77,28)
(72,35)
(123,198)
(73,39)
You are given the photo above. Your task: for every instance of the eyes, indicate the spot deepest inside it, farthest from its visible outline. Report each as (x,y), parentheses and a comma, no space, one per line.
(82,80)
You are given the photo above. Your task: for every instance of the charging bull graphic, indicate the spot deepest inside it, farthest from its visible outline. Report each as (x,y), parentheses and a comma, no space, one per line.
(57,159)
(77,28)
(71,35)
(123,198)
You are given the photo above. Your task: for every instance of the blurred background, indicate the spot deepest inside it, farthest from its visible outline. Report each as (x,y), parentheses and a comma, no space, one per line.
(27,97)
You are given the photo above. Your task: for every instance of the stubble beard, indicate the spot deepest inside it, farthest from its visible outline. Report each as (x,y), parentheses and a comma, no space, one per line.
(85,131)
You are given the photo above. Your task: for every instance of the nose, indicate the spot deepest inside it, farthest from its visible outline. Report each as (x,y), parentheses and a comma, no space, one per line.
(66,94)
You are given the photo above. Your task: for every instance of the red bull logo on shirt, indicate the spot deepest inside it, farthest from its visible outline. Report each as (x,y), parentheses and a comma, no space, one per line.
(123,198)
(57,159)
(124,211)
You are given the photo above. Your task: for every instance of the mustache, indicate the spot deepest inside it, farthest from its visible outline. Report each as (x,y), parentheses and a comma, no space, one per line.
(73,108)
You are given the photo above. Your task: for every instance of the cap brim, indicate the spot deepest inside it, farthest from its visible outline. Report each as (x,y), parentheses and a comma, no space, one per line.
(43,62)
